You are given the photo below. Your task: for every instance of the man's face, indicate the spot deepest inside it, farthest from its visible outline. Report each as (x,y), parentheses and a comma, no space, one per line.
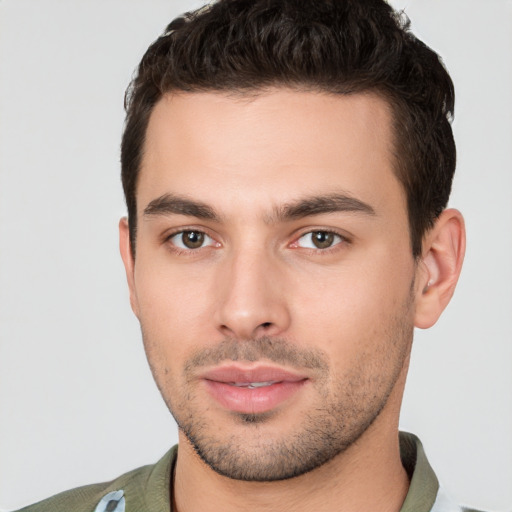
(274,279)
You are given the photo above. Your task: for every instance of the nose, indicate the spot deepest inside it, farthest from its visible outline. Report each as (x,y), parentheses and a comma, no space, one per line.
(252,297)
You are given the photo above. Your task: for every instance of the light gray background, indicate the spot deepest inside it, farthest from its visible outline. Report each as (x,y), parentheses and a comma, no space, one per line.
(77,402)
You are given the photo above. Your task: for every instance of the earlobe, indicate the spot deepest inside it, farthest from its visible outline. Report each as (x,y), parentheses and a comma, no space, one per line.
(439,269)
(129,263)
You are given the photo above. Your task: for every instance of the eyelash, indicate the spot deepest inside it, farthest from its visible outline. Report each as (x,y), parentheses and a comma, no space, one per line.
(189,251)
(343,240)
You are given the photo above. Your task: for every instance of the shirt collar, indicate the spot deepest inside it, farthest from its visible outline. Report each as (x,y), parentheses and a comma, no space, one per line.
(424,485)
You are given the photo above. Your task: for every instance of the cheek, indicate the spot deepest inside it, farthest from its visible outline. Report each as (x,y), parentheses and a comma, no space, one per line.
(173,309)
(354,306)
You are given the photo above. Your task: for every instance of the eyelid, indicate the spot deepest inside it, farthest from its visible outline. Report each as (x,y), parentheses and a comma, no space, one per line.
(343,239)
(168,236)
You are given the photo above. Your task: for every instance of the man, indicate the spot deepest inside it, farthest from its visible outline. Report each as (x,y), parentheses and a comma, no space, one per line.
(286,166)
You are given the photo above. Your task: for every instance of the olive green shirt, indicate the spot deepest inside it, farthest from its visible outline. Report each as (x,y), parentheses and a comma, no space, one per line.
(149,488)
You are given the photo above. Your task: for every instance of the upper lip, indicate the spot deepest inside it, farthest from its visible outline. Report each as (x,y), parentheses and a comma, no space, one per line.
(260,373)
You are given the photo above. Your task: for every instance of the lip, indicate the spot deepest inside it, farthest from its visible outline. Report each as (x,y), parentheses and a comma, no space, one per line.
(220,385)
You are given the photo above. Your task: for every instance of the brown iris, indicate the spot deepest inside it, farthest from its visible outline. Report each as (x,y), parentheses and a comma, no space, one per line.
(322,239)
(192,239)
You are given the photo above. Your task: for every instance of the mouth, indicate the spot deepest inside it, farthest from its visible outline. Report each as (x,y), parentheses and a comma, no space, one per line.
(252,390)
(253,385)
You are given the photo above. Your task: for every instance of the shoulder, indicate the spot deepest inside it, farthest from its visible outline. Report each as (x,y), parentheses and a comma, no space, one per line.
(82,499)
(445,503)
(133,486)
(425,493)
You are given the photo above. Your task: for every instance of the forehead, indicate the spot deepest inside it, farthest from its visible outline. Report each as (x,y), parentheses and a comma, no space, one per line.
(268,147)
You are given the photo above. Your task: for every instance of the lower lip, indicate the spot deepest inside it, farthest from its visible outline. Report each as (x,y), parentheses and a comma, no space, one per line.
(255,400)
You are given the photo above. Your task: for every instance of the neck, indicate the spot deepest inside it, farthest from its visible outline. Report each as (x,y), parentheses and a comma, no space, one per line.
(368,476)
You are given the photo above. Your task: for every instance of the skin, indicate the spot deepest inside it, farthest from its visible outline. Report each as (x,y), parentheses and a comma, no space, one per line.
(343,315)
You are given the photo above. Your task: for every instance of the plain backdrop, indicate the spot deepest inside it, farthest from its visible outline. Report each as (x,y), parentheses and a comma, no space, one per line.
(77,401)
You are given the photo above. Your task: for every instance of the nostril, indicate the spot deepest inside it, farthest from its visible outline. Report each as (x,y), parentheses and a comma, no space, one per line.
(266,325)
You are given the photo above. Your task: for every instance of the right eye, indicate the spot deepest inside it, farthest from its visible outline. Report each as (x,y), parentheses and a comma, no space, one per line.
(191,239)
(320,239)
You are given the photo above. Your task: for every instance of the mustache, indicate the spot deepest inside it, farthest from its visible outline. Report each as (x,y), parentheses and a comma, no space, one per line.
(266,348)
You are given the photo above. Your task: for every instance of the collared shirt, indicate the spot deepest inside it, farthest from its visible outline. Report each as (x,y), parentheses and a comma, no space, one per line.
(148,488)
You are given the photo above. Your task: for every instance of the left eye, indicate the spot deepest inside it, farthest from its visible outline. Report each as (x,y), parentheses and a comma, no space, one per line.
(319,240)
(191,240)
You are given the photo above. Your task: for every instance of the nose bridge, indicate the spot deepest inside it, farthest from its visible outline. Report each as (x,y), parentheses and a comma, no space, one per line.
(251,300)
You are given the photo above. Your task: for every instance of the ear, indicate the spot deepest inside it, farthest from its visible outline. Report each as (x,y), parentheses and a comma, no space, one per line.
(439,268)
(129,263)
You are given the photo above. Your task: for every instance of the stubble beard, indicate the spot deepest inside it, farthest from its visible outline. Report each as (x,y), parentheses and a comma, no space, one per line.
(346,406)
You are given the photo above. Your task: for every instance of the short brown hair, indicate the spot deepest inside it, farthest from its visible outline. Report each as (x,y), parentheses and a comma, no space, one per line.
(334,46)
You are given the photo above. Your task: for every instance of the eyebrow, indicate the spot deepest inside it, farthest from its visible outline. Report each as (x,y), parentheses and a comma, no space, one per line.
(171,204)
(318,205)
